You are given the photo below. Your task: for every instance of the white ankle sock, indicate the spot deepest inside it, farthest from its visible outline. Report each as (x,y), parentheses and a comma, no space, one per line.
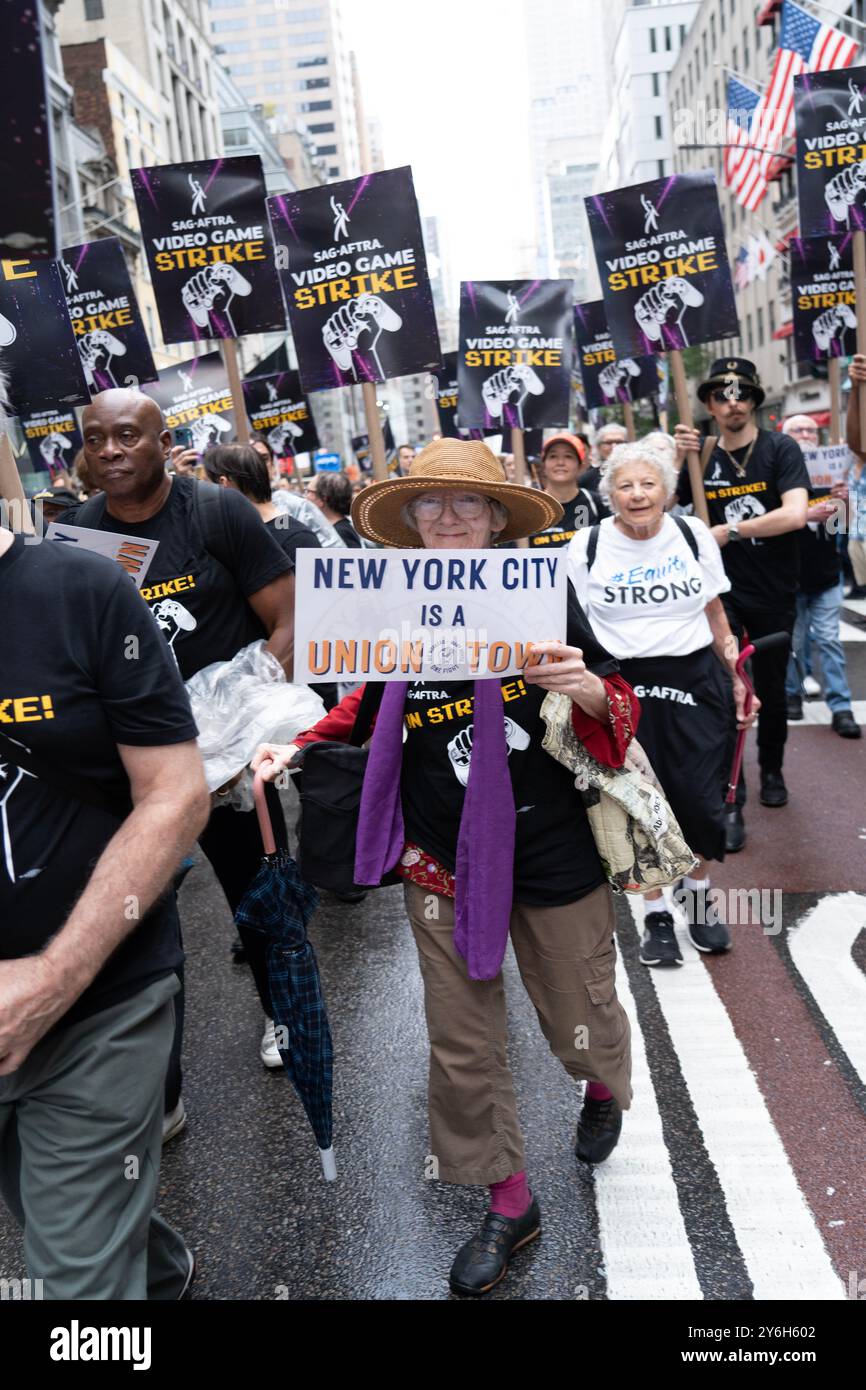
(695,883)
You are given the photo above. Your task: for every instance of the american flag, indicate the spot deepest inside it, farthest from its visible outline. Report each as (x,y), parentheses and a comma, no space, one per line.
(742,160)
(806,44)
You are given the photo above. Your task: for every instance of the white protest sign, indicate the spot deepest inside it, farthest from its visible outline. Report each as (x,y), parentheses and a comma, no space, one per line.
(132,553)
(828,464)
(444,615)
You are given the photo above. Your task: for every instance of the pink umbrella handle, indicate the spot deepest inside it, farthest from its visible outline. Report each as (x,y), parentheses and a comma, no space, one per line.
(731,797)
(264,815)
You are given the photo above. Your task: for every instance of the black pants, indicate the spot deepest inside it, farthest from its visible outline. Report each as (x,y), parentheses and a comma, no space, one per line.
(768,677)
(233,844)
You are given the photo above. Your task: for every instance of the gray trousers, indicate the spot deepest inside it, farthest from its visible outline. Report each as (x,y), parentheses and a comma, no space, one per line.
(80,1147)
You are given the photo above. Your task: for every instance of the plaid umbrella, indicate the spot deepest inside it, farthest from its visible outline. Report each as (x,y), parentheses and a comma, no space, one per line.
(279,903)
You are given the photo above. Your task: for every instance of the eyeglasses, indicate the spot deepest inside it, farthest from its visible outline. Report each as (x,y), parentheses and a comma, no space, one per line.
(467,505)
(721,397)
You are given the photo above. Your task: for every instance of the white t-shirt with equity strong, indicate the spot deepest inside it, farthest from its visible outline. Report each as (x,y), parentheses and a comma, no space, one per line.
(647,598)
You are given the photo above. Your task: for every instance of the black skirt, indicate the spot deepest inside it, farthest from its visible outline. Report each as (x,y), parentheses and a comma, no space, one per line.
(687,727)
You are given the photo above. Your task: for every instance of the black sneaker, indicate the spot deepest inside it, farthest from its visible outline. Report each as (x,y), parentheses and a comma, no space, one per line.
(713,938)
(659,942)
(599,1126)
(845,725)
(773,789)
(483,1260)
(735,829)
(795,709)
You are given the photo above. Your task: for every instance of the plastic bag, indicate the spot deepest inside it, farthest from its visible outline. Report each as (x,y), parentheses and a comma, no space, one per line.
(241,703)
(307,513)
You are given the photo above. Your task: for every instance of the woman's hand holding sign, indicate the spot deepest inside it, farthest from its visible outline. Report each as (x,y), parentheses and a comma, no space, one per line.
(559,668)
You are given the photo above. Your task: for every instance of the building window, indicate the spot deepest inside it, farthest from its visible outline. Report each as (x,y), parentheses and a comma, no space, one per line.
(93,9)
(667,38)
(771,310)
(652,34)
(682,34)
(722,18)
(326,149)
(760,326)
(713,30)
(323,128)
(735,61)
(658,127)
(222,26)
(308,84)
(661,168)
(334,171)
(317,62)
(656,91)
(746,49)
(749,337)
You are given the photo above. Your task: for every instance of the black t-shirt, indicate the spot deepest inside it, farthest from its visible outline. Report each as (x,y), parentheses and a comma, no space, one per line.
(584,509)
(347,533)
(70,691)
(820,561)
(198,592)
(291,534)
(556,860)
(763,574)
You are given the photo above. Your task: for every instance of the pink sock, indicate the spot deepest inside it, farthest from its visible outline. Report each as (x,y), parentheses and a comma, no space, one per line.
(511,1197)
(595,1091)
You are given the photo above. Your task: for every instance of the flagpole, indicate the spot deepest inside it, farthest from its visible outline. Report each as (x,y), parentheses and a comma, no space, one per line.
(858,23)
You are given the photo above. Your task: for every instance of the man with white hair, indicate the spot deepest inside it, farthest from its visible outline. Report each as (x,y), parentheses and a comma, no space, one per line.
(819,598)
(606,439)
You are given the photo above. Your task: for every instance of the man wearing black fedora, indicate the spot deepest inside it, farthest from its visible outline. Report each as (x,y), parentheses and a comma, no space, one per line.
(757,490)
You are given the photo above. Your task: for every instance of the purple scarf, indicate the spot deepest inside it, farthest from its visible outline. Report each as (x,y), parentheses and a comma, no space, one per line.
(484,874)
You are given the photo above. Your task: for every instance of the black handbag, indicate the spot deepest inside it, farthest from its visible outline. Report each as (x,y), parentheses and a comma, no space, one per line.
(332,775)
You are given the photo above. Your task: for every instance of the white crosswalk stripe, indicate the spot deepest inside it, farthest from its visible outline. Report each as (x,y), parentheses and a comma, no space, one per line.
(820,948)
(818,712)
(646,1247)
(774,1227)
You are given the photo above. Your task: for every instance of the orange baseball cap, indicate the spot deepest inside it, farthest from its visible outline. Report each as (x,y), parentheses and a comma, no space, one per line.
(570,439)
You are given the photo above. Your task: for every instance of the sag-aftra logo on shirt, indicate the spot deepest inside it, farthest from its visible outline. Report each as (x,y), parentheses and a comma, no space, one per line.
(26,709)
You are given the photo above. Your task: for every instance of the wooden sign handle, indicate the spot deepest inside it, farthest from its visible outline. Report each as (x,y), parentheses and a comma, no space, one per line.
(230,358)
(859,249)
(374,431)
(628,417)
(684,407)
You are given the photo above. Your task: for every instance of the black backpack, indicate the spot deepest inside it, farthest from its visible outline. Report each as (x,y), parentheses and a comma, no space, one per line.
(332,775)
(592,543)
(206,509)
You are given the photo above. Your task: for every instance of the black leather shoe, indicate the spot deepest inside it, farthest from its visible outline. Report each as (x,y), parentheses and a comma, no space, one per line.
(795,709)
(483,1260)
(845,725)
(735,829)
(599,1126)
(773,789)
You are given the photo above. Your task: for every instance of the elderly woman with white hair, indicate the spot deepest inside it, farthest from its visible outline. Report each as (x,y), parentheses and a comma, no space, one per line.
(650,583)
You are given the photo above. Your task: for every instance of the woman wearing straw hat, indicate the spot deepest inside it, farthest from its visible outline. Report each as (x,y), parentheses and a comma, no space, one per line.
(491,837)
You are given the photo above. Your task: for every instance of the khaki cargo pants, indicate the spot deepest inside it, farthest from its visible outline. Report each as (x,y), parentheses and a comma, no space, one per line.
(566,957)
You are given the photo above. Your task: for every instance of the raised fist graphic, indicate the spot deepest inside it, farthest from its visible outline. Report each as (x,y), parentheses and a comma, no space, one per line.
(498,389)
(279,437)
(832,324)
(843,191)
(53,448)
(652,309)
(96,350)
(366,314)
(206,430)
(616,375)
(220,282)
(459,750)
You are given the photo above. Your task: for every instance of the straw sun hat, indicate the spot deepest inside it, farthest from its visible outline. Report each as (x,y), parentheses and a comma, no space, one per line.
(453,465)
